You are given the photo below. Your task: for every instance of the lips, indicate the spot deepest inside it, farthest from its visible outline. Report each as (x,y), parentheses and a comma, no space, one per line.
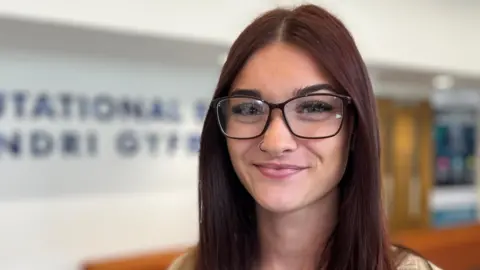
(278,170)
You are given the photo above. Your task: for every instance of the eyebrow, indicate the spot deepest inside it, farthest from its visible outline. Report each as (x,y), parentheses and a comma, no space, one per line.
(246,92)
(304,91)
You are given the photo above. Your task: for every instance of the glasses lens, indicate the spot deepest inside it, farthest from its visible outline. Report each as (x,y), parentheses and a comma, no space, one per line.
(241,117)
(315,116)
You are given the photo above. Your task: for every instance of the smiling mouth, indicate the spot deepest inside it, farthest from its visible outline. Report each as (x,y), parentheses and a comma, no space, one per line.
(278,171)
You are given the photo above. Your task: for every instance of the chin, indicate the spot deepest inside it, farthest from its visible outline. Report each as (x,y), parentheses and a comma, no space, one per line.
(279,205)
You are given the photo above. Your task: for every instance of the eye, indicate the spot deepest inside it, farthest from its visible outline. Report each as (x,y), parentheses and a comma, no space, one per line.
(313,106)
(247,109)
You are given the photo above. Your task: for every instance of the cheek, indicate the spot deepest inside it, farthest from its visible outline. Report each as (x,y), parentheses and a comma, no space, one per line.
(240,152)
(237,150)
(332,151)
(331,161)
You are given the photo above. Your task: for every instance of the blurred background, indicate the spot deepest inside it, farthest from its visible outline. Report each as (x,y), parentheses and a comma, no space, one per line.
(102,103)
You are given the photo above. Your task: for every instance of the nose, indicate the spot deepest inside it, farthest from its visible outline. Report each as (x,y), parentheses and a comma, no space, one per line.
(278,139)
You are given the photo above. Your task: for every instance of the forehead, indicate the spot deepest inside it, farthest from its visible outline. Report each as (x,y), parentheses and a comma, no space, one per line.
(279,69)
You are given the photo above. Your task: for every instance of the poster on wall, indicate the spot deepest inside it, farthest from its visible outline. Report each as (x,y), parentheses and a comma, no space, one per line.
(454,195)
(455,144)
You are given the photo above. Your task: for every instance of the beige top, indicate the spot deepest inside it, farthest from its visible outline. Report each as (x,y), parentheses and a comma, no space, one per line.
(412,262)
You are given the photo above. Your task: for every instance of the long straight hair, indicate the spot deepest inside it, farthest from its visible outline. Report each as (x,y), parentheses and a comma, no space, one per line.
(228,234)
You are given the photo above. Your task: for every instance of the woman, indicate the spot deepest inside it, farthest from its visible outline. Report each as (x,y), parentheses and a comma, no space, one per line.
(289,155)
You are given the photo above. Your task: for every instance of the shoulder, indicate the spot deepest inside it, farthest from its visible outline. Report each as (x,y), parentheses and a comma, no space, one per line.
(185,262)
(413,262)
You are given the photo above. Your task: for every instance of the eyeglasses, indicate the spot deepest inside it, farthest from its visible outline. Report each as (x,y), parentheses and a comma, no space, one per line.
(313,116)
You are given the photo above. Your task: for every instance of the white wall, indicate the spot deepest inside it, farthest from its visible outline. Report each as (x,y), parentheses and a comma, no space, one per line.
(60,233)
(57,212)
(416,34)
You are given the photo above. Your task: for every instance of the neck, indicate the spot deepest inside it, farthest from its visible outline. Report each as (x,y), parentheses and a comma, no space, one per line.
(295,240)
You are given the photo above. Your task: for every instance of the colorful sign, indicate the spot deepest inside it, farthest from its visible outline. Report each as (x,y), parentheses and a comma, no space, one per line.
(454,197)
(455,145)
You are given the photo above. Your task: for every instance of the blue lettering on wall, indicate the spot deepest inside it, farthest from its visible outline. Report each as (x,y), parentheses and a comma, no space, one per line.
(127,143)
(167,111)
(43,107)
(131,109)
(194,143)
(66,105)
(172,143)
(10,144)
(104,108)
(165,115)
(71,144)
(100,107)
(19,98)
(41,143)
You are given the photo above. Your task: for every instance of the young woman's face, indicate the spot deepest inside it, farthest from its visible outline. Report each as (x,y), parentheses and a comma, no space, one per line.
(281,171)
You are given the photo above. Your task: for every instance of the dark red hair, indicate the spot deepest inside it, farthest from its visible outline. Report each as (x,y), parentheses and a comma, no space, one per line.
(228,234)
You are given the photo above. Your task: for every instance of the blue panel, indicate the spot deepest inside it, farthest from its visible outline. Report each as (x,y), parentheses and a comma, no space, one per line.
(453,217)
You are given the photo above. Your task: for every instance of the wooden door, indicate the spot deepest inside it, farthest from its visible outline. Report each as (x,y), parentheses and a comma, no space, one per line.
(406,161)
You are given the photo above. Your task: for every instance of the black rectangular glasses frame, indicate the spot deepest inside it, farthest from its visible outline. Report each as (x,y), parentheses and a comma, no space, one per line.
(346,100)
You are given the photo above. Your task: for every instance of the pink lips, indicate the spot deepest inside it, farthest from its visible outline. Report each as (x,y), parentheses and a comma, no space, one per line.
(278,170)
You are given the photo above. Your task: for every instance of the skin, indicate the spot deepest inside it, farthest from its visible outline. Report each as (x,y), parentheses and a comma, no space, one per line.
(295,214)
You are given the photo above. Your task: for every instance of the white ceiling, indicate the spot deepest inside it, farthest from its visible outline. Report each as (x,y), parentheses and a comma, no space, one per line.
(51,37)
(24,35)
(415,84)
(422,34)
